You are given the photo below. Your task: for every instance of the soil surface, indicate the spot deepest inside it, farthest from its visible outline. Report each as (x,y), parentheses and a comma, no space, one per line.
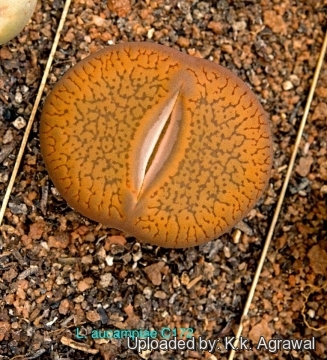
(63,277)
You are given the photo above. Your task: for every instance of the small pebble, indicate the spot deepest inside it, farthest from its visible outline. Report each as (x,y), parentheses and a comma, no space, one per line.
(8,137)
(105,280)
(150,33)
(147,292)
(145,354)
(295,80)
(239,25)
(24,89)
(160,294)
(244,228)
(19,123)
(287,85)
(227,252)
(4,177)
(18,97)
(109,260)
(304,166)
(185,278)
(184,7)
(311,313)
(18,208)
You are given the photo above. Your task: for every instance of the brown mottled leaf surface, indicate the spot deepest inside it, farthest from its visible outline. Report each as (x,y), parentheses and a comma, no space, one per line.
(167,147)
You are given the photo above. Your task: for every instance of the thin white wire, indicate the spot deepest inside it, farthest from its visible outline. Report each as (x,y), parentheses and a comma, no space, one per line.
(281,196)
(33,113)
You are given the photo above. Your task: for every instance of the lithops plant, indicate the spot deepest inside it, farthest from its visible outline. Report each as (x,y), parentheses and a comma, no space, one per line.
(14,15)
(172,149)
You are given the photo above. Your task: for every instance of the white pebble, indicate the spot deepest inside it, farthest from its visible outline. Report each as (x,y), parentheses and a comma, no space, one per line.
(19,97)
(311,313)
(19,123)
(147,292)
(287,85)
(239,25)
(109,260)
(227,252)
(24,89)
(295,80)
(150,33)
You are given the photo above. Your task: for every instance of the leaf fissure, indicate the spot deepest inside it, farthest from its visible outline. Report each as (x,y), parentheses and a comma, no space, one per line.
(158,143)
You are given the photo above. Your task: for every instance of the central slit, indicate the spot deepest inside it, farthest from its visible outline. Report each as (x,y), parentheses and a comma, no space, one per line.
(158,143)
(156,147)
